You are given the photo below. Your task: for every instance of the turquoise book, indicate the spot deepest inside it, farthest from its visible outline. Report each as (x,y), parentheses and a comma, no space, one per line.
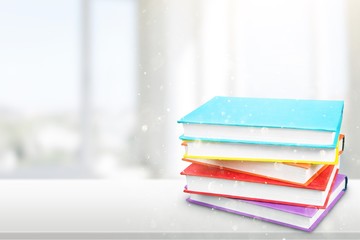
(292,122)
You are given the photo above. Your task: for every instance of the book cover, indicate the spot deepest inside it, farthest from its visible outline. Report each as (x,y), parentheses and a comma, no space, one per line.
(300,174)
(260,152)
(208,180)
(302,218)
(265,120)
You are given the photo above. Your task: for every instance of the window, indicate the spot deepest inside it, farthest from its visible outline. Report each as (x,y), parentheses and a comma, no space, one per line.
(39,91)
(46,97)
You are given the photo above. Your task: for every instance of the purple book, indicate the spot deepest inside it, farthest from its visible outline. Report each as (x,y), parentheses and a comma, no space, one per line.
(302,218)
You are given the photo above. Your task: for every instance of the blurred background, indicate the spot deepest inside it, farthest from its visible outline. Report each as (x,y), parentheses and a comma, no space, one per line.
(93,88)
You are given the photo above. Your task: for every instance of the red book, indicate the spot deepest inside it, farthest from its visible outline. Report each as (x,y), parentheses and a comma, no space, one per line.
(300,174)
(213,181)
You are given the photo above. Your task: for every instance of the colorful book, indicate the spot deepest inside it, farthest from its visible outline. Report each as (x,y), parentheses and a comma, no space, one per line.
(300,174)
(302,218)
(202,149)
(208,180)
(296,173)
(294,122)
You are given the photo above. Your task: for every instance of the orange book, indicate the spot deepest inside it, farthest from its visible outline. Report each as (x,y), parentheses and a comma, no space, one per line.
(296,173)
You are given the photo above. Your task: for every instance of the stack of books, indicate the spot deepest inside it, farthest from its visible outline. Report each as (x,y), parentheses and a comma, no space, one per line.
(275,160)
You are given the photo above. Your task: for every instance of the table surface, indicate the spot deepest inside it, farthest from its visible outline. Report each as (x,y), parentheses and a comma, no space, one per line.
(137,209)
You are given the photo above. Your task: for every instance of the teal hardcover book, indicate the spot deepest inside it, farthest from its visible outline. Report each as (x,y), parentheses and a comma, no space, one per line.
(300,122)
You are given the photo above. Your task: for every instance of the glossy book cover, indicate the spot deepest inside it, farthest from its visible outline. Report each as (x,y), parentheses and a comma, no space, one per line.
(262,118)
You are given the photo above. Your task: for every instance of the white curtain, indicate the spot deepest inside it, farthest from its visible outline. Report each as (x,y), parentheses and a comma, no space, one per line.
(190,51)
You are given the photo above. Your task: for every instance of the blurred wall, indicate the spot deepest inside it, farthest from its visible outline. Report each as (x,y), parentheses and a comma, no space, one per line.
(352,100)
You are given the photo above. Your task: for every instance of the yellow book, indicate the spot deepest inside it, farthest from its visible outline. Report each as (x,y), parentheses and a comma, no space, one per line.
(262,152)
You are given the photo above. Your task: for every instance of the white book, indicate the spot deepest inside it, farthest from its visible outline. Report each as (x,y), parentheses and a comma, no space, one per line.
(257,134)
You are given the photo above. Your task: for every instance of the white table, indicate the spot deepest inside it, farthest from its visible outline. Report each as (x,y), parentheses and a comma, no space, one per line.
(99,209)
